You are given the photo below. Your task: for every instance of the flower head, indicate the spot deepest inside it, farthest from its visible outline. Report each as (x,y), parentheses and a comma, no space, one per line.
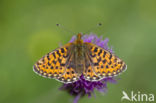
(83,87)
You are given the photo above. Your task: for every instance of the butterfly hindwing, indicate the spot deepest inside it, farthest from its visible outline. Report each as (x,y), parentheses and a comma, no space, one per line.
(104,63)
(56,65)
(88,72)
(70,75)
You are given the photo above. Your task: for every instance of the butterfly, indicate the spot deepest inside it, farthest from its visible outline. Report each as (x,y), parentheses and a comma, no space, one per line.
(67,63)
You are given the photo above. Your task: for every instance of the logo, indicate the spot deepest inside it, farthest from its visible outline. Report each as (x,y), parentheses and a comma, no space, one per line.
(137,96)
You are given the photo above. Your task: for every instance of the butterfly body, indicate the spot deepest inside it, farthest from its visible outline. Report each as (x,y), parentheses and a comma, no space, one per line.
(69,62)
(78,53)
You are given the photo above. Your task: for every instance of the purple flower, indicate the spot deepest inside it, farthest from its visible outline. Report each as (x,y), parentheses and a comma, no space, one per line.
(83,87)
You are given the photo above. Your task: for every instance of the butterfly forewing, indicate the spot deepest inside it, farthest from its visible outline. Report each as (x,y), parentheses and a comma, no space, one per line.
(56,64)
(104,63)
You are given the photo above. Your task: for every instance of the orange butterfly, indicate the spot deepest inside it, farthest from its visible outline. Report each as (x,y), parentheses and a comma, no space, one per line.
(69,62)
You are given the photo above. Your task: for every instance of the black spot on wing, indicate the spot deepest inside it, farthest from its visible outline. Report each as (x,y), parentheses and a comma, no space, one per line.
(62,64)
(48,57)
(49,64)
(104,54)
(92,55)
(54,61)
(110,63)
(62,50)
(104,61)
(110,56)
(59,60)
(99,59)
(100,52)
(95,49)
(107,66)
(54,54)
(51,67)
(58,53)
(96,64)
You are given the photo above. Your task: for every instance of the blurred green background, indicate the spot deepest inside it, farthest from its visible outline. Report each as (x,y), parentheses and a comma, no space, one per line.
(28,31)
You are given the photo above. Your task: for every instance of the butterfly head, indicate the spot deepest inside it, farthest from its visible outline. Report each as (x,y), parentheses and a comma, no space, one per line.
(79,40)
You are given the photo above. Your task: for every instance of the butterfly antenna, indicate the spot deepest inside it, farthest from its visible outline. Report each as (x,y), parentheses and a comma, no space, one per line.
(94,28)
(65,29)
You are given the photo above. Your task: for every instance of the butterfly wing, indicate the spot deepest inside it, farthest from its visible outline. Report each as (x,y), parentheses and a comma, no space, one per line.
(102,63)
(57,65)
(88,72)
